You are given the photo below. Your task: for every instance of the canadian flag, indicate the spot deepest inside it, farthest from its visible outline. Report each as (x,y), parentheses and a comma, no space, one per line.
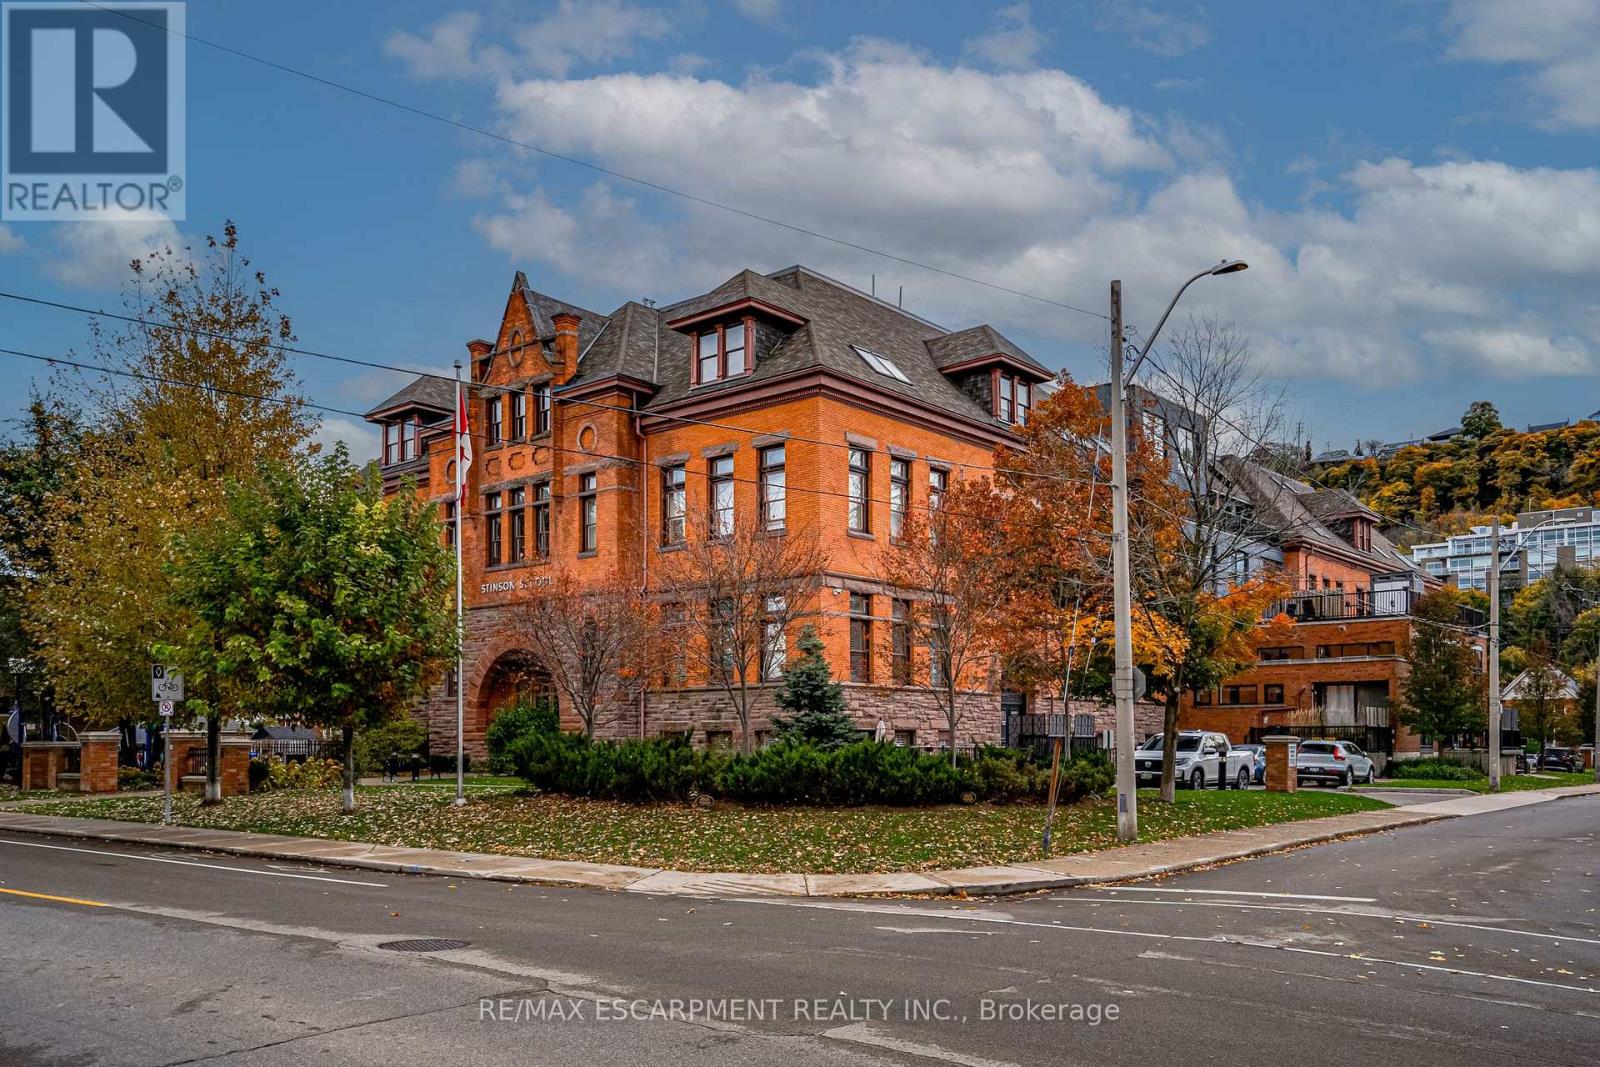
(463,443)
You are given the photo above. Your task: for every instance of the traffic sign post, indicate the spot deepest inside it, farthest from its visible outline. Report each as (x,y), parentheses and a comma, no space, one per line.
(166,689)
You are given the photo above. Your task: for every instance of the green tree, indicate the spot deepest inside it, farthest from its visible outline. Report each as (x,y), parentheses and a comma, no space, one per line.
(197,390)
(1443,694)
(813,700)
(328,603)
(32,467)
(1480,420)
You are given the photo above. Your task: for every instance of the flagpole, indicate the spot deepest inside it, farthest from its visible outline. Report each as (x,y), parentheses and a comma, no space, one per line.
(461,622)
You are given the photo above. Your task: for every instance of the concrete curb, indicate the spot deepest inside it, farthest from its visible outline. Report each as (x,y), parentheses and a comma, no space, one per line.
(1128,863)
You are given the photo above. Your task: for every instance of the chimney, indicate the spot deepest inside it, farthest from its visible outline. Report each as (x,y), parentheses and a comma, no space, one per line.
(565,354)
(477,350)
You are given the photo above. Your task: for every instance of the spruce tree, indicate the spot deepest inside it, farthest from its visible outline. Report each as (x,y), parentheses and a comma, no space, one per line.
(813,700)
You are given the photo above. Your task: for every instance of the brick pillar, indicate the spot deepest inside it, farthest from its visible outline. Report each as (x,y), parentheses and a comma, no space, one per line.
(179,744)
(235,766)
(1281,777)
(97,767)
(41,763)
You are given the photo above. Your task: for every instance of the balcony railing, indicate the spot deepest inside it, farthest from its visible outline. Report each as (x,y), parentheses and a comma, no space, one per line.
(1308,605)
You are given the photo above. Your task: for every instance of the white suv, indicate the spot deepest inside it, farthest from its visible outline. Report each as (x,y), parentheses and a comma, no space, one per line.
(1333,762)
(1201,757)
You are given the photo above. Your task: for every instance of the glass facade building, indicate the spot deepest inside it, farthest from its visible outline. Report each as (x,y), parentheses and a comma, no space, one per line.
(1569,535)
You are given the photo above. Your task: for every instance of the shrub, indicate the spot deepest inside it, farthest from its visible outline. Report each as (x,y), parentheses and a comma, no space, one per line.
(135,778)
(511,723)
(1436,769)
(401,738)
(444,764)
(303,774)
(259,770)
(790,772)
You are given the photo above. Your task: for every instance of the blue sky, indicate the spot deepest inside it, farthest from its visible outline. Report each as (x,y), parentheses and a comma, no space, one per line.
(1414,183)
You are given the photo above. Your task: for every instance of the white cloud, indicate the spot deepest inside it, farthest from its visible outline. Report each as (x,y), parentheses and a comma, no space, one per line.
(1557,40)
(759,10)
(1161,32)
(10,240)
(1012,42)
(359,438)
(96,254)
(447,51)
(571,34)
(1034,181)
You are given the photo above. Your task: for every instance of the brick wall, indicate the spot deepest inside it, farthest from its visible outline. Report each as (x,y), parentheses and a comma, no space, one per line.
(584,438)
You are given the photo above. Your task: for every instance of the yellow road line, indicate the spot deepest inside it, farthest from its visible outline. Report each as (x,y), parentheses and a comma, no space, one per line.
(58,900)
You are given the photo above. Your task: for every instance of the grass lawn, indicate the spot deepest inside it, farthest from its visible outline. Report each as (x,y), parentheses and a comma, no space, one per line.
(1509,783)
(727,838)
(472,781)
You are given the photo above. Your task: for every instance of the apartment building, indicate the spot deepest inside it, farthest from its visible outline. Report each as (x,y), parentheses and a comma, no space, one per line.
(1567,537)
(1339,670)
(789,397)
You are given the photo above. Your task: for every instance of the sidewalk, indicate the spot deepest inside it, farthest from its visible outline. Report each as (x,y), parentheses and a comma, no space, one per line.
(1108,865)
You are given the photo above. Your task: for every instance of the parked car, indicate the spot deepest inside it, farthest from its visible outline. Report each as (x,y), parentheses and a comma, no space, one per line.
(1559,758)
(1258,753)
(1333,763)
(1201,757)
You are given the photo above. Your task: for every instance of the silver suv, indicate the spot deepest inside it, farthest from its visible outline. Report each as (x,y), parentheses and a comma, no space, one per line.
(1333,763)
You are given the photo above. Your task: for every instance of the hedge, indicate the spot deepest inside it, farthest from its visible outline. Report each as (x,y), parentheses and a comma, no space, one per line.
(866,772)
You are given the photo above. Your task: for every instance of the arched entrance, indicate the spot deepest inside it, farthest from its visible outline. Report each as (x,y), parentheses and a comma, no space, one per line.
(512,678)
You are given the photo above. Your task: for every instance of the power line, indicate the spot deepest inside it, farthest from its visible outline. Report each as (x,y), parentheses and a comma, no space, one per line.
(597,168)
(478,435)
(480,387)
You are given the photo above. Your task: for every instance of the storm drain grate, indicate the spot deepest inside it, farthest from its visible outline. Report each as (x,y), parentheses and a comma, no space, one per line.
(425,944)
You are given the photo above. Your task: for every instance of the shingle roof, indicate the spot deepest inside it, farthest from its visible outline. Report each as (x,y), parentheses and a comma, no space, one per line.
(976,342)
(428,391)
(635,341)
(1288,508)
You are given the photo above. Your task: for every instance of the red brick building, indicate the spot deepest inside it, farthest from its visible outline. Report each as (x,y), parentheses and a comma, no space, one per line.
(1340,670)
(830,411)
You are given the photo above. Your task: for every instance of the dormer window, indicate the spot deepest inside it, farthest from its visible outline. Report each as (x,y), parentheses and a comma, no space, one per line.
(722,352)
(1013,398)
(401,440)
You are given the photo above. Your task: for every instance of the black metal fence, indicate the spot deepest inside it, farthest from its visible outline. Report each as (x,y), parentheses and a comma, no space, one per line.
(295,749)
(1377,740)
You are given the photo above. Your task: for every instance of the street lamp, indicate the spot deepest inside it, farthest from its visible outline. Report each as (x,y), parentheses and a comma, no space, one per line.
(1122,677)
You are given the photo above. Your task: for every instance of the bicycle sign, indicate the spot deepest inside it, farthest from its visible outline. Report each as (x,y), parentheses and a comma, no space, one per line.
(166,683)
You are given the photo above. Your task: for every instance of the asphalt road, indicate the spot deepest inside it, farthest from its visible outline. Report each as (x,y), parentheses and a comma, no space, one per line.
(1469,941)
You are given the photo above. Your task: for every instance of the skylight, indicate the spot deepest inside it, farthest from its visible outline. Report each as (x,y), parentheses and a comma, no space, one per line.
(882,364)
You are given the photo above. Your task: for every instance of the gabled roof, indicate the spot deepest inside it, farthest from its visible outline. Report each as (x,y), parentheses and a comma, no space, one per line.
(977,342)
(1290,510)
(429,392)
(1566,687)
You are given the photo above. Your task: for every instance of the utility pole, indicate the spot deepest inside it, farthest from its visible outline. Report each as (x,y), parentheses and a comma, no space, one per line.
(1122,676)
(1494,657)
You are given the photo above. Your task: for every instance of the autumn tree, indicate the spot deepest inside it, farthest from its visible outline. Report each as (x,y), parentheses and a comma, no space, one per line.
(1196,534)
(596,643)
(941,569)
(735,595)
(328,602)
(196,391)
(1443,693)
(1480,419)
